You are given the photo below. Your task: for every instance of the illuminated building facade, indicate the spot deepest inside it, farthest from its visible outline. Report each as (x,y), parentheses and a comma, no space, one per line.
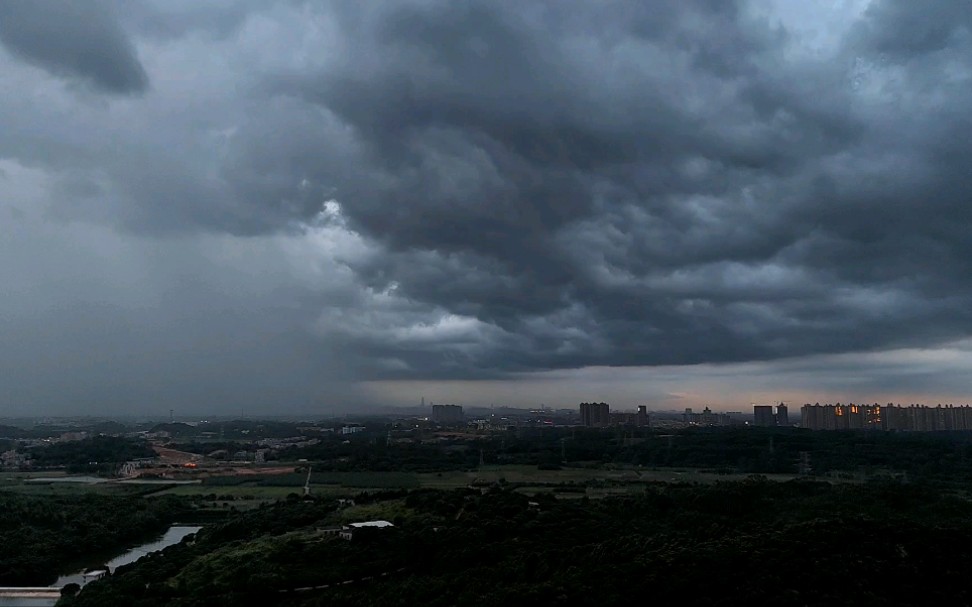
(914,418)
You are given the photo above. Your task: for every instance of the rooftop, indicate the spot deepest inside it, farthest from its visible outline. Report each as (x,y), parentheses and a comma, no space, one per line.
(371,524)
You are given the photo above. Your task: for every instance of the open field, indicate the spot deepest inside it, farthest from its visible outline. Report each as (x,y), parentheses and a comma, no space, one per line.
(17,475)
(238,491)
(69,488)
(534,476)
(568,482)
(274,483)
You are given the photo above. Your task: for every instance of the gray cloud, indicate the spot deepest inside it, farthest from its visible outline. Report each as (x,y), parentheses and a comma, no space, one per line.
(536,186)
(174,19)
(98,321)
(906,30)
(80,40)
(698,194)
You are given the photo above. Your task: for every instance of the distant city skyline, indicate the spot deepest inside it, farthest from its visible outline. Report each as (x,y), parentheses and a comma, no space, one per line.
(935,374)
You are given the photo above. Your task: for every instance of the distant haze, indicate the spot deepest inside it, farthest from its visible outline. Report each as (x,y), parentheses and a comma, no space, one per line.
(292,206)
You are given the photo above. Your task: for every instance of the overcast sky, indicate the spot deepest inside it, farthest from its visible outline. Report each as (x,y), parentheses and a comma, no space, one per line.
(288,206)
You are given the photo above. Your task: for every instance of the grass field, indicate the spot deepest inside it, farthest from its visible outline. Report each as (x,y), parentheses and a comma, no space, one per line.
(532,475)
(385,480)
(246,491)
(68,488)
(13,476)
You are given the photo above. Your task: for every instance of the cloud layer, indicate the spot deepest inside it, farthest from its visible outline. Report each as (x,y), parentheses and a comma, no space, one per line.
(481,190)
(80,40)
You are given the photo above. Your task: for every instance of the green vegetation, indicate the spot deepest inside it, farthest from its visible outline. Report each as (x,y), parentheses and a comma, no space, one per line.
(728,543)
(361,453)
(41,488)
(392,480)
(40,535)
(250,491)
(687,516)
(90,455)
(944,457)
(205,434)
(40,431)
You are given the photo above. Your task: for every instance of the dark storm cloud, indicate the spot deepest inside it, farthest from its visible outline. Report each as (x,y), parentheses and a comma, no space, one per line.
(76,39)
(544,185)
(906,29)
(676,184)
(175,19)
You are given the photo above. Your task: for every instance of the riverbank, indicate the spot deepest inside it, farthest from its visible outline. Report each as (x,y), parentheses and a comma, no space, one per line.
(173,535)
(48,596)
(42,536)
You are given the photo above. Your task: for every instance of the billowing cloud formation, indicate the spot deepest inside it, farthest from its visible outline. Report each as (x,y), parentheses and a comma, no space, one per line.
(627,184)
(524,187)
(75,39)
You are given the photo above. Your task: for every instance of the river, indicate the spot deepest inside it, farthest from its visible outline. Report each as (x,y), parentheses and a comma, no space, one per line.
(172,536)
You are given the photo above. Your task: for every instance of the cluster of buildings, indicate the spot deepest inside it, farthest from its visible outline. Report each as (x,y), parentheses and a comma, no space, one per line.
(765,417)
(347,532)
(598,415)
(639,418)
(913,418)
(594,415)
(13,459)
(706,418)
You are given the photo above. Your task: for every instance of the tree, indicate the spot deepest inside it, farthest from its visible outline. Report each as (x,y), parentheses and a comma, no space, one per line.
(69,592)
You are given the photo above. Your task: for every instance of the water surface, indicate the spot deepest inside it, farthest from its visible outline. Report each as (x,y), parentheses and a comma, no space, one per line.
(174,535)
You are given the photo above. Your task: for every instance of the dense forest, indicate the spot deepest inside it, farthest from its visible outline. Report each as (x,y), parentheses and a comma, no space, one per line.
(40,535)
(94,454)
(752,542)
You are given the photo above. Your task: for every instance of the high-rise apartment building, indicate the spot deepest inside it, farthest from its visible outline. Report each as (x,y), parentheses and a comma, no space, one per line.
(914,418)
(763,416)
(595,414)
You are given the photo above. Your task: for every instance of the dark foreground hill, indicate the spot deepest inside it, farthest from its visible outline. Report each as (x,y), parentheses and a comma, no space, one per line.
(755,542)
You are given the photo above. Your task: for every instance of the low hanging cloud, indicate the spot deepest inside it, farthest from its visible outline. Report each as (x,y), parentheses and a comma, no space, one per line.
(80,40)
(503,188)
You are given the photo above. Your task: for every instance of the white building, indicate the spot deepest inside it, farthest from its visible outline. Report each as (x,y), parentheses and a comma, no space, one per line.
(348,531)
